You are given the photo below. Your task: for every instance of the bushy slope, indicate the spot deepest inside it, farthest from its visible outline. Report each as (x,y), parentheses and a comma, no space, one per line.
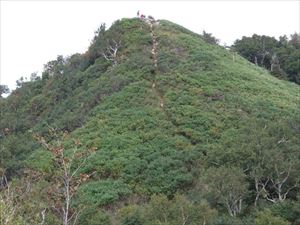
(69,89)
(208,102)
(156,130)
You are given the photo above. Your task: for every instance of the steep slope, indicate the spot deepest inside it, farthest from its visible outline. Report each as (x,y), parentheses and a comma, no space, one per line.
(171,108)
(195,105)
(69,89)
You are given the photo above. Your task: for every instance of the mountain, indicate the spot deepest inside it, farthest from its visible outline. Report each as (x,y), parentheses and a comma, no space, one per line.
(166,114)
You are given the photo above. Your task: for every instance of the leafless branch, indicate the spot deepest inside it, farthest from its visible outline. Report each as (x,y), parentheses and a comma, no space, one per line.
(65,180)
(110,53)
(43,215)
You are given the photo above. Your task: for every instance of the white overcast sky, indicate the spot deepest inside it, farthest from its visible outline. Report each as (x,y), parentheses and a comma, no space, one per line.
(34,32)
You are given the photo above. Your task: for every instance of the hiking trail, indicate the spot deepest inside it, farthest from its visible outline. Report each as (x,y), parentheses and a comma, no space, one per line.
(154,52)
(154,55)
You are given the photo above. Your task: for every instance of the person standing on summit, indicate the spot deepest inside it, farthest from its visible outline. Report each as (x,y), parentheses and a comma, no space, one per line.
(139,15)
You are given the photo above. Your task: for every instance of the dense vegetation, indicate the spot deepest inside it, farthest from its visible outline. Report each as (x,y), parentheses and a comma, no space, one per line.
(203,137)
(281,57)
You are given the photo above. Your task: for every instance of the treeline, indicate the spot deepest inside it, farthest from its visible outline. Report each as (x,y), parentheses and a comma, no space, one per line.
(281,57)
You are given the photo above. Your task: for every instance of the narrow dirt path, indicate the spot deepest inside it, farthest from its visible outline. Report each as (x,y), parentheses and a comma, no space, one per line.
(154,54)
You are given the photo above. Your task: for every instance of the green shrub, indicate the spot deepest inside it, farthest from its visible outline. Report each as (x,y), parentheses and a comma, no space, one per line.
(99,193)
(267,218)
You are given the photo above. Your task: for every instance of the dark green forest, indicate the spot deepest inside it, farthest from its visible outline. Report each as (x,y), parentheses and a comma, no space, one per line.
(281,57)
(155,125)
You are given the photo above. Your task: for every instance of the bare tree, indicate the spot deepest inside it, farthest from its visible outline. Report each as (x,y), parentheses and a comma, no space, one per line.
(66,178)
(280,179)
(110,52)
(275,183)
(260,185)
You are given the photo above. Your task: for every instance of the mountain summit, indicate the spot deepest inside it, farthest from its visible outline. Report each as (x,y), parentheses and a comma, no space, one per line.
(167,114)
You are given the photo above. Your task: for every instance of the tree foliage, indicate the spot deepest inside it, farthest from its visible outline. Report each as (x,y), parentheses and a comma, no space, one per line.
(3,90)
(209,38)
(281,56)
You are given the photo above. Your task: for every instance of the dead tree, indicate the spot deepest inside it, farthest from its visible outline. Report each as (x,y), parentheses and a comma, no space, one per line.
(279,183)
(274,187)
(66,178)
(234,204)
(110,52)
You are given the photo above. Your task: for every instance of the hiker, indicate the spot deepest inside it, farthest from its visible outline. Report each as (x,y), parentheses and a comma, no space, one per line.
(151,18)
(138,13)
(143,16)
